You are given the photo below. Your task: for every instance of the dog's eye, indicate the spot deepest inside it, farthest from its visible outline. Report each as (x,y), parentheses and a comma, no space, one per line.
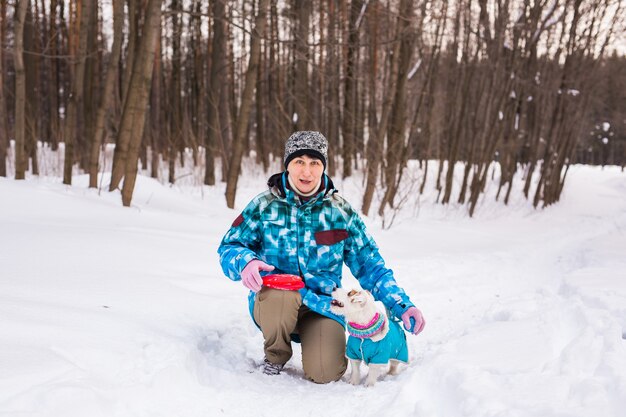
(352,292)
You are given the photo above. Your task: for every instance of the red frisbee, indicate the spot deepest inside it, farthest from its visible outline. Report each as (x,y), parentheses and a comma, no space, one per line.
(283,282)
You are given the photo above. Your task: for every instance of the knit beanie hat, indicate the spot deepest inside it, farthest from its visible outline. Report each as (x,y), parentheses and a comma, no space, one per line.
(306,143)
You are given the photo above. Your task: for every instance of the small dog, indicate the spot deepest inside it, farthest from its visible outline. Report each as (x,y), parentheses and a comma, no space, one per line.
(373,337)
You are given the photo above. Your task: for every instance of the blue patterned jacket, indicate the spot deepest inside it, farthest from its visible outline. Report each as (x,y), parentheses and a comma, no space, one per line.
(311,239)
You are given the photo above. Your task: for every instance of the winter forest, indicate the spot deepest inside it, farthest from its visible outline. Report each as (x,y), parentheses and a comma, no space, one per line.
(524,87)
(481,142)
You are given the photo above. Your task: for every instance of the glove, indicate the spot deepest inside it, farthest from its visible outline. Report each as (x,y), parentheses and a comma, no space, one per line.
(250,274)
(413,320)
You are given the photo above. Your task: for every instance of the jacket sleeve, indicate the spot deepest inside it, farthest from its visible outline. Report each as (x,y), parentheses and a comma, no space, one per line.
(241,243)
(368,266)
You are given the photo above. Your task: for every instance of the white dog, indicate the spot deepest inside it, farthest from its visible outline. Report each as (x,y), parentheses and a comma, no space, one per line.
(374,339)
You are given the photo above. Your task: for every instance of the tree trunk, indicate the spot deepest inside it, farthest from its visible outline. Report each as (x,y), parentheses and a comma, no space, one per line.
(175,104)
(397,125)
(332,81)
(301,78)
(4,126)
(262,148)
(234,165)
(350,88)
(197,99)
(456,92)
(133,115)
(226,132)
(20,89)
(31,66)
(132,95)
(54,34)
(138,96)
(216,79)
(131,47)
(75,112)
(99,133)
(273,128)
(373,149)
(92,87)
(156,111)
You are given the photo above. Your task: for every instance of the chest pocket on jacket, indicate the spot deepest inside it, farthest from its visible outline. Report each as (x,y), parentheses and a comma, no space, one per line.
(330,237)
(330,249)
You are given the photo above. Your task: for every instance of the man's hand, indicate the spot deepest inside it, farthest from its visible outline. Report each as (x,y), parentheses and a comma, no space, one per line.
(413,320)
(250,275)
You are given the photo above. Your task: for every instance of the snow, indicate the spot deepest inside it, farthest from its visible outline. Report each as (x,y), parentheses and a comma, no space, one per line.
(113,311)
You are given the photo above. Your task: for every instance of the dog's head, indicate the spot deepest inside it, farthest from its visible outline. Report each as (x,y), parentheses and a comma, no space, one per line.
(350,303)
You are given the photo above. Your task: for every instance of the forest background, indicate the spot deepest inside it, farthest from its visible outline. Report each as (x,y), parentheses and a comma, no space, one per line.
(483,86)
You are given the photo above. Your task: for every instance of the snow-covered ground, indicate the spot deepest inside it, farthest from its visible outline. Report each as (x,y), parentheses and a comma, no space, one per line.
(113,311)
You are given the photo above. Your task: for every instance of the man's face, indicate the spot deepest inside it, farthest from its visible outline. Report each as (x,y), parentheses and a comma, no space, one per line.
(305,172)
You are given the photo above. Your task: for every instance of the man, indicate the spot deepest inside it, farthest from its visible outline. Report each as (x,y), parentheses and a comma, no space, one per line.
(301,226)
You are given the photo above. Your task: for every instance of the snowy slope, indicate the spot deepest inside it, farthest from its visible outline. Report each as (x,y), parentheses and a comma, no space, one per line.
(112,311)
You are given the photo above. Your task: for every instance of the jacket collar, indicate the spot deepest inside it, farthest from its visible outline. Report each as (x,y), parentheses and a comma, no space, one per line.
(277,184)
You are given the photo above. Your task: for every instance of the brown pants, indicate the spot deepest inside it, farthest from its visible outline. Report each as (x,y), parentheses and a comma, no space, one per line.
(281,314)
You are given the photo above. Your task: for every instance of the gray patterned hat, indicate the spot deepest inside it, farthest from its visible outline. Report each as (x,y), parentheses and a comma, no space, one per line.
(306,143)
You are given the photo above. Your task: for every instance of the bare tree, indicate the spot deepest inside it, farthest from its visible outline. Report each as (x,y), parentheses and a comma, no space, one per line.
(156,111)
(75,112)
(301,67)
(138,93)
(55,39)
(133,117)
(350,88)
(216,78)
(243,116)
(32,67)
(397,125)
(20,89)
(99,133)
(374,144)
(4,127)
(502,87)
(332,64)
(262,142)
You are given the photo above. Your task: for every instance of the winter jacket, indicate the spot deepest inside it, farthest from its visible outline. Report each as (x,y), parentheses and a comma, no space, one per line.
(392,346)
(311,239)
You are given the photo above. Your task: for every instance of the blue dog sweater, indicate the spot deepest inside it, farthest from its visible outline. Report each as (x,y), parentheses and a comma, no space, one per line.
(393,346)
